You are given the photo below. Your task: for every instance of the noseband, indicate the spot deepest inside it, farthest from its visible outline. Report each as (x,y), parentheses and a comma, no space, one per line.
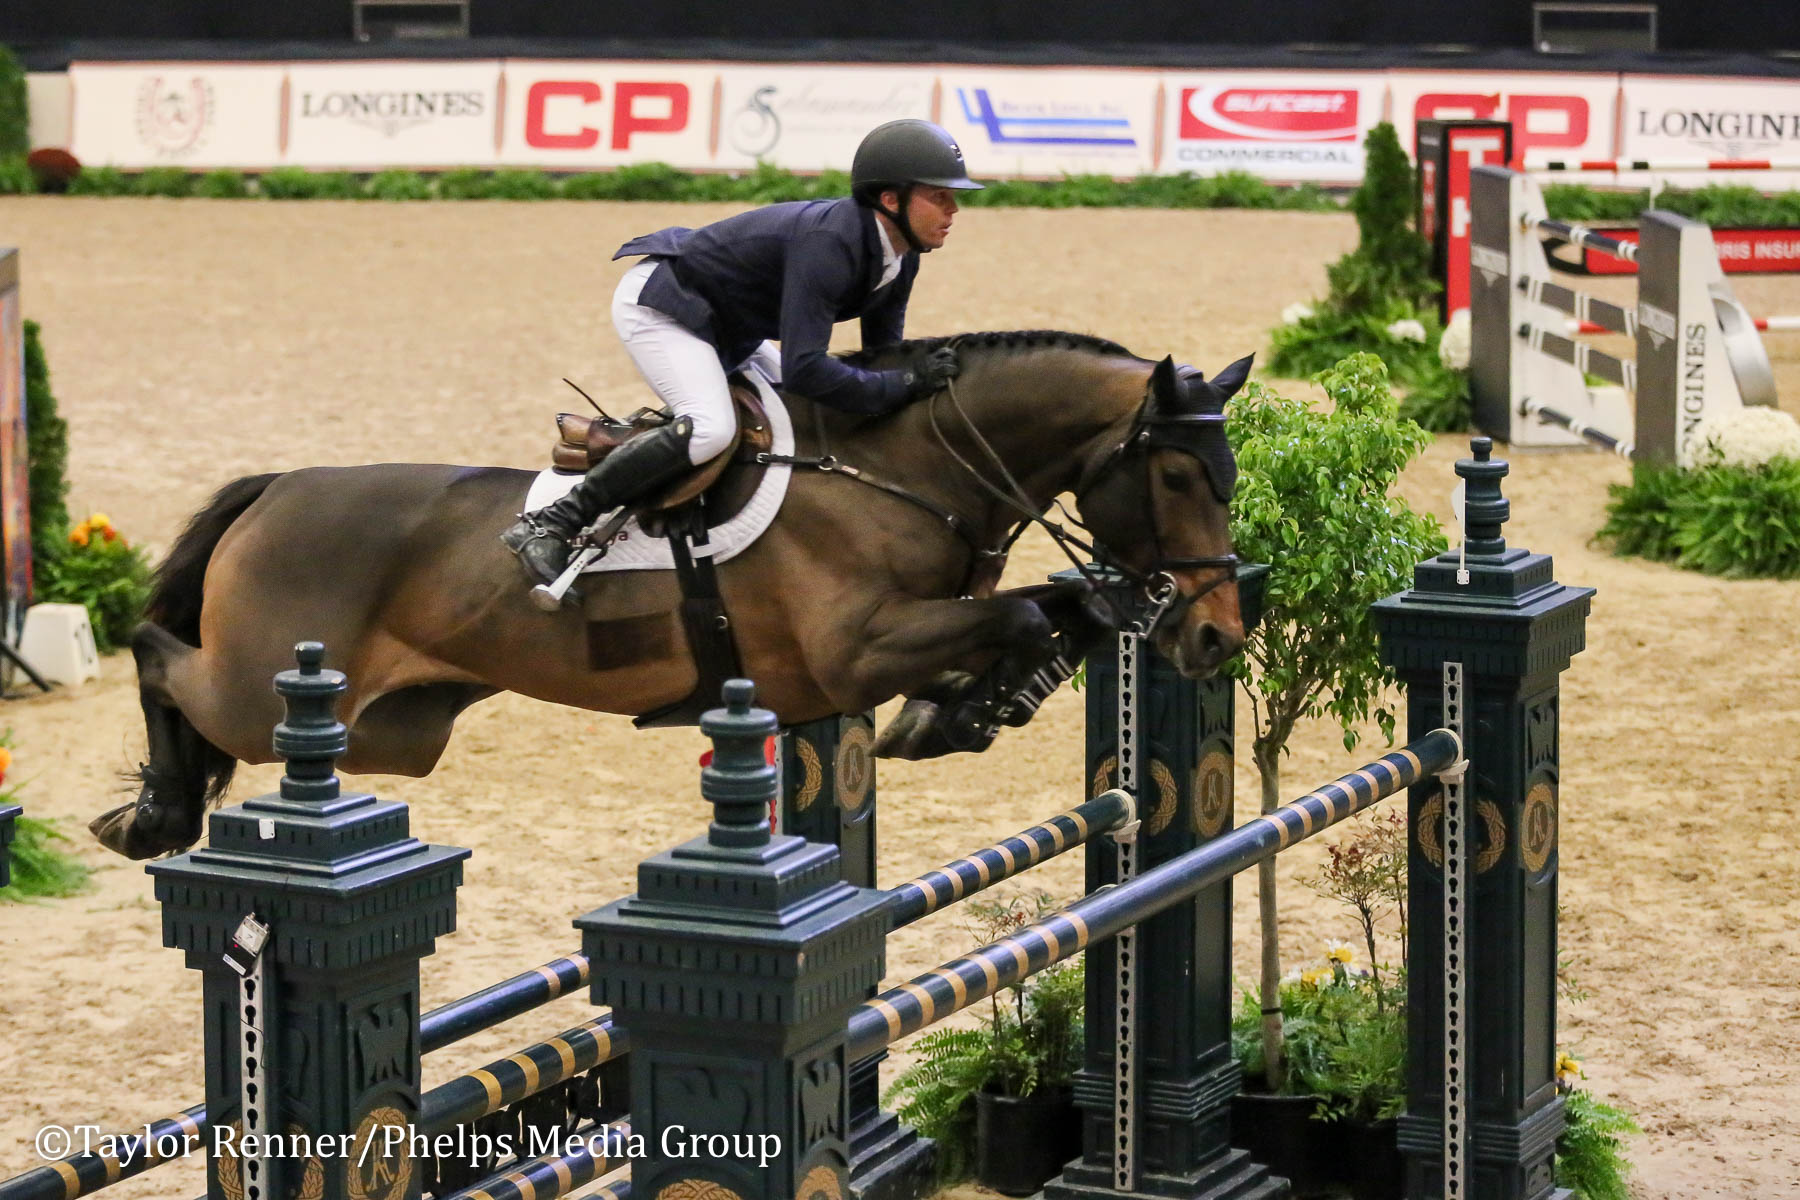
(1162,598)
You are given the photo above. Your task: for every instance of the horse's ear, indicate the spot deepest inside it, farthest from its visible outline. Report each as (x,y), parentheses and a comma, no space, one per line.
(1232,378)
(1165,386)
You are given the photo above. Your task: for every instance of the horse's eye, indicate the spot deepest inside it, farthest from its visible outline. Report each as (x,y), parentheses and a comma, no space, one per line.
(1176,480)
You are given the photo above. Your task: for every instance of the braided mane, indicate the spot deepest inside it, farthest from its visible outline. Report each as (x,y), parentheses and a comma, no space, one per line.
(998,342)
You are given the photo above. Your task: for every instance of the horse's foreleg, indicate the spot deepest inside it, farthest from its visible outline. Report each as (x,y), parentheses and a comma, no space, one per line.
(961,710)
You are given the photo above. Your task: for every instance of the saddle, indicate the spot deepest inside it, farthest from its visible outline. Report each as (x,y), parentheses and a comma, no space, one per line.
(583,442)
(683,512)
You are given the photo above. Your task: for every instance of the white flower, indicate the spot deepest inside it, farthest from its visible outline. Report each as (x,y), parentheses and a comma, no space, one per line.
(1747,437)
(1406,330)
(1296,312)
(1453,347)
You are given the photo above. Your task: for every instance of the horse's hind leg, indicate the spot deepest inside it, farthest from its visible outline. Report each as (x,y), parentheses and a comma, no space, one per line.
(184,772)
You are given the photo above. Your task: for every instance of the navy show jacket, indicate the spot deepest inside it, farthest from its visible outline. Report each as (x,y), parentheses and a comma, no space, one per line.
(790,272)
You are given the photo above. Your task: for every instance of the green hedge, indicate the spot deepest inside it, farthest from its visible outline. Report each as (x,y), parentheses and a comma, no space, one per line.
(658,181)
(1722,205)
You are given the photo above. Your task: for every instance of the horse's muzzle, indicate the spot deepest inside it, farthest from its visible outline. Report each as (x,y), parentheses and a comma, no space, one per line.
(1210,634)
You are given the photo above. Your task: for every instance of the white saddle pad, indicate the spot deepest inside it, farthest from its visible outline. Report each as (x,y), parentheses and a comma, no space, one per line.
(635,550)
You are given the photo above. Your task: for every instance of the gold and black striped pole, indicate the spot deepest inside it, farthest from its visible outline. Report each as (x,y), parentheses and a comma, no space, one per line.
(972,873)
(583,1160)
(79,1174)
(931,997)
(532,1070)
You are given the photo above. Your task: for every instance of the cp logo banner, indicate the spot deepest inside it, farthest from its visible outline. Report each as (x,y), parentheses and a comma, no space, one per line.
(572,115)
(1562,116)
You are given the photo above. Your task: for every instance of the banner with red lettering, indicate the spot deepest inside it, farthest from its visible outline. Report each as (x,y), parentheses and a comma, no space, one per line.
(576,115)
(1554,116)
(371,115)
(1299,125)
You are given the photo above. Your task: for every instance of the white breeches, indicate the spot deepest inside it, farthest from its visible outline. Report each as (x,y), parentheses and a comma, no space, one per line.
(680,367)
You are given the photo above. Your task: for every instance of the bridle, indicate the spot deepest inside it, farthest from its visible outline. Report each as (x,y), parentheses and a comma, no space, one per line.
(1160,598)
(1164,599)
(1159,595)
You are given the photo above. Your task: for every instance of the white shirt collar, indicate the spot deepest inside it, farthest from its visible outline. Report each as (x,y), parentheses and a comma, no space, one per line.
(890,258)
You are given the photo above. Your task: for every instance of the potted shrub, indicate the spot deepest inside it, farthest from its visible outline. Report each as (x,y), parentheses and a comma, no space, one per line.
(1333,1122)
(997,1098)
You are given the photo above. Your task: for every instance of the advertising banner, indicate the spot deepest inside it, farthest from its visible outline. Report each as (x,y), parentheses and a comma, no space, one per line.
(196,115)
(1554,116)
(1286,125)
(371,115)
(1044,124)
(578,116)
(810,118)
(1691,119)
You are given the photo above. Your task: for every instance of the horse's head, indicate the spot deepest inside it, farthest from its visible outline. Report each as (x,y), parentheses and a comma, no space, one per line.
(1158,500)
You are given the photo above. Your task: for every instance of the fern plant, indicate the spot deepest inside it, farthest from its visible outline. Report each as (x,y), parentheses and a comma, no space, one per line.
(1031,1042)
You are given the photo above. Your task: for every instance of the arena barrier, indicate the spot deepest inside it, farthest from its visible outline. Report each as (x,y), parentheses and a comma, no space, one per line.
(1698,352)
(745,968)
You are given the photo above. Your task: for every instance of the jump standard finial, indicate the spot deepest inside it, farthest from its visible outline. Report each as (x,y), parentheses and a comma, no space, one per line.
(311,738)
(1485,510)
(740,782)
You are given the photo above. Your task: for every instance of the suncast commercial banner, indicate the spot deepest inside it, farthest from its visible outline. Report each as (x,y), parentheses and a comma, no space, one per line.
(810,118)
(584,116)
(172,114)
(1276,124)
(372,115)
(1049,123)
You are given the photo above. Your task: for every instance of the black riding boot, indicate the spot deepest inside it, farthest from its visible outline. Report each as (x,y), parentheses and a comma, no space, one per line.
(541,538)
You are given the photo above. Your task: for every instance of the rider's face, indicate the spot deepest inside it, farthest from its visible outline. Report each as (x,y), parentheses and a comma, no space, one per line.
(929,210)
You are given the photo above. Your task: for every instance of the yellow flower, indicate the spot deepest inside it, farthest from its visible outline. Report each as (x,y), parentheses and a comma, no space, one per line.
(1568,1069)
(79,535)
(100,521)
(1316,977)
(1340,953)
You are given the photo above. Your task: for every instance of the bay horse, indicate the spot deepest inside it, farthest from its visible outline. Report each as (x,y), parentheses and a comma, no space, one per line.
(851,597)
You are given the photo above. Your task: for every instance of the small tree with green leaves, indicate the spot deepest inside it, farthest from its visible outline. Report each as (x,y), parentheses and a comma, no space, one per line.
(1313,500)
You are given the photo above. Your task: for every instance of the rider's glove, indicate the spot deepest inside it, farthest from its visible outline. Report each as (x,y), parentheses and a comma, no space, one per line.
(933,372)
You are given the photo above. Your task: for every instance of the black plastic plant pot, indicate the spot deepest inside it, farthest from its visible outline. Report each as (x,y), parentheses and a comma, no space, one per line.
(1022,1142)
(1281,1133)
(1377,1168)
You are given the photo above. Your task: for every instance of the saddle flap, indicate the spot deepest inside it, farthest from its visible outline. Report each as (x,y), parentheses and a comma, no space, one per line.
(583,441)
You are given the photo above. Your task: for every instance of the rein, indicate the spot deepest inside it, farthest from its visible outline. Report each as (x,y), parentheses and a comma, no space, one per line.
(1161,594)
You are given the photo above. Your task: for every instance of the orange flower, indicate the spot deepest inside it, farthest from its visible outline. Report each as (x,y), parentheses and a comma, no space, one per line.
(79,535)
(5,762)
(109,533)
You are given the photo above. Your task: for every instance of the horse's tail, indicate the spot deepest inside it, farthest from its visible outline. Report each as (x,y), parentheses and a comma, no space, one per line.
(176,595)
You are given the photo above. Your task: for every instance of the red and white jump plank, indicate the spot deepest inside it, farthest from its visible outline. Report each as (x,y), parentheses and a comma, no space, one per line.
(1620,166)
(1763,324)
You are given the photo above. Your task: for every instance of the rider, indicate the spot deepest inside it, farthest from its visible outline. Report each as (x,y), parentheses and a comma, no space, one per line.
(703,302)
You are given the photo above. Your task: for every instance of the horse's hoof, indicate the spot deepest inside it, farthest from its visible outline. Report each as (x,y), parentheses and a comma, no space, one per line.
(906,734)
(120,830)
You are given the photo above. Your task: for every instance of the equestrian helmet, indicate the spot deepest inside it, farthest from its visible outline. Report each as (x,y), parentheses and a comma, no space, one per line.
(907,152)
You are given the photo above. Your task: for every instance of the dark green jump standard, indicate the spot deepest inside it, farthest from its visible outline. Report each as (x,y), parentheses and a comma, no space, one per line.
(351,903)
(1513,629)
(735,967)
